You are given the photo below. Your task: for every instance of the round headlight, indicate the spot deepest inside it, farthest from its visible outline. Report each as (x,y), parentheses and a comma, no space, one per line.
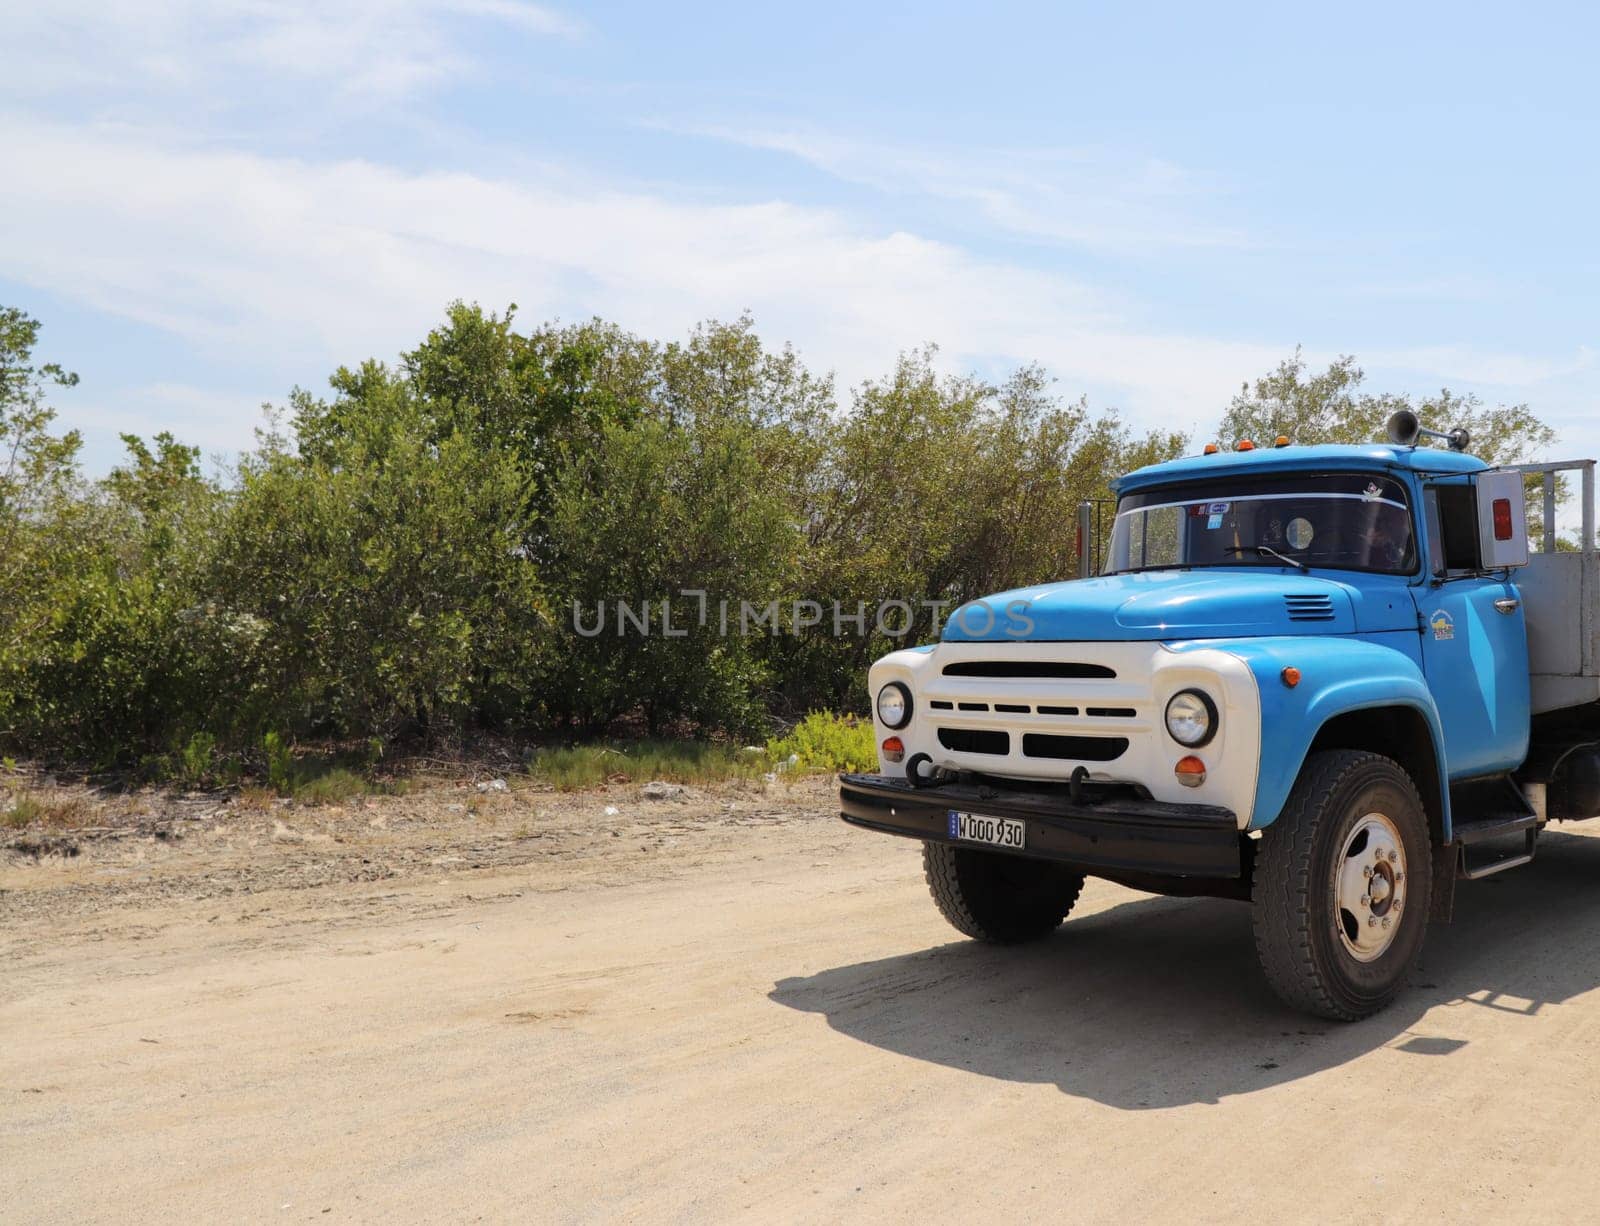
(1191,718)
(894,705)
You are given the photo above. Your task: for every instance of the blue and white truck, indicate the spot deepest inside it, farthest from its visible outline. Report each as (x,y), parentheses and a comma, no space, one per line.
(1330,681)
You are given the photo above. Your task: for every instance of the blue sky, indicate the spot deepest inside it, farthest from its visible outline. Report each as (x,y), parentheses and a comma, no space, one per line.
(208,203)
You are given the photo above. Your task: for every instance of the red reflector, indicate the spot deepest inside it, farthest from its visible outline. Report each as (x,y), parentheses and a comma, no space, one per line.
(1502,519)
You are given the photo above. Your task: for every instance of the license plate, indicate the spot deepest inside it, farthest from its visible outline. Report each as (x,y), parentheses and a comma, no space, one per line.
(996,831)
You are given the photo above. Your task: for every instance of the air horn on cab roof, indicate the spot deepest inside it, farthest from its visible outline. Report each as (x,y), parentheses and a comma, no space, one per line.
(1405,428)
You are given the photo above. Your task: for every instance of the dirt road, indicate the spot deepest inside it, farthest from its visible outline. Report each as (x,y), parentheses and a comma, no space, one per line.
(692,1012)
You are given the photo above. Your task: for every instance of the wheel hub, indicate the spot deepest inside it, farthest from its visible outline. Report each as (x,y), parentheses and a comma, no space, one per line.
(1369,894)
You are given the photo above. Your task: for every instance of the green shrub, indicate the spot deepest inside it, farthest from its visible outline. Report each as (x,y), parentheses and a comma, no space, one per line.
(653,512)
(390,578)
(824,742)
(196,758)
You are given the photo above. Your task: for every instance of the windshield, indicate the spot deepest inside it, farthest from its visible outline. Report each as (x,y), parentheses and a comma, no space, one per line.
(1346,521)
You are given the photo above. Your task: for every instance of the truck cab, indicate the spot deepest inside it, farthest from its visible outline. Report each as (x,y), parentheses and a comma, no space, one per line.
(1302,678)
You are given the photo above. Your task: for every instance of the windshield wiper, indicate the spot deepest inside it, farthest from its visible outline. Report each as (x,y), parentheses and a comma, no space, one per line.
(1267,549)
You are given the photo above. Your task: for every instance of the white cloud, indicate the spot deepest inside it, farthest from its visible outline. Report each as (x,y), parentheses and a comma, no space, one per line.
(327,262)
(226,52)
(1089,197)
(1466,364)
(336,261)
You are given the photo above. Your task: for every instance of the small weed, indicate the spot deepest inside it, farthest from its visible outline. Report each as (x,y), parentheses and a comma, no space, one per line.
(333,787)
(324,783)
(255,798)
(280,764)
(195,758)
(24,811)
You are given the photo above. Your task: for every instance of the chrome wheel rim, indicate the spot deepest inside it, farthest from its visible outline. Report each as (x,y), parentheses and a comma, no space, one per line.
(1370,892)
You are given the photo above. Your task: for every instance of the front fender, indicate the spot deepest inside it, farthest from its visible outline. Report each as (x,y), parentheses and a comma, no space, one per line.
(1337,675)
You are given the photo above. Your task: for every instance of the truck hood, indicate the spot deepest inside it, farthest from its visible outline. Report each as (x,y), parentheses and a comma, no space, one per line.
(1166,604)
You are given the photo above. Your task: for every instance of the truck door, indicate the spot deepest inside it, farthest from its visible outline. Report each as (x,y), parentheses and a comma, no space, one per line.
(1474,638)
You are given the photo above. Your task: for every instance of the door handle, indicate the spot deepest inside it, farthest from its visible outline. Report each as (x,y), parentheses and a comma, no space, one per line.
(1507,604)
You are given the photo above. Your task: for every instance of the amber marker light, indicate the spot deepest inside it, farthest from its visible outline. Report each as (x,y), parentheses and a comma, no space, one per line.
(1281,441)
(1291,676)
(1246,445)
(894,749)
(1191,772)
(1212,449)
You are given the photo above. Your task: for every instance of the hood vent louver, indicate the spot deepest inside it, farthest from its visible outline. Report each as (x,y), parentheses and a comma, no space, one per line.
(1314,607)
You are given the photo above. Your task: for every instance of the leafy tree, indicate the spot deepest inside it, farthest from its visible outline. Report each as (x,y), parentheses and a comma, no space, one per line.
(1331,407)
(385,576)
(132,660)
(38,470)
(939,490)
(655,511)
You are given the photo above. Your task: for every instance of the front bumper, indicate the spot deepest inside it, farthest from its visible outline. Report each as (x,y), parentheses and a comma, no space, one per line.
(1118,835)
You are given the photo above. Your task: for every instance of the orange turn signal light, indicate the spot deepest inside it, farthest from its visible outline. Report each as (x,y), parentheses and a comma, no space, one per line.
(1291,676)
(1245,444)
(894,749)
(1191,772)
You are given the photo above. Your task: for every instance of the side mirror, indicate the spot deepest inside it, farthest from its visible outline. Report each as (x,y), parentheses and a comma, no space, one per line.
(1502,520)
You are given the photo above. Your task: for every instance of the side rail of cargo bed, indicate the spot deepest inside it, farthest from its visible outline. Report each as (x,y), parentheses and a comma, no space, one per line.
(1561,597)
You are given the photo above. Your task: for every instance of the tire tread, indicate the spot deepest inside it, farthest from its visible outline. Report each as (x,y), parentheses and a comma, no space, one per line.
(1281,912)
(962,902)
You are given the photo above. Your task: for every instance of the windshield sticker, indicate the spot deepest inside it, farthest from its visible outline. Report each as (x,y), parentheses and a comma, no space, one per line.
(1372,493)
(1299,533)
(1216,508)
(1443,627)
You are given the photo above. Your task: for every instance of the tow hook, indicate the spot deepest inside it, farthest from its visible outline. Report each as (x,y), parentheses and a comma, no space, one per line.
(1075,784)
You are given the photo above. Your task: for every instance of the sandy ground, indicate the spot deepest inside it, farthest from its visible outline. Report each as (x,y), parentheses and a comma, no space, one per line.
(731,1006)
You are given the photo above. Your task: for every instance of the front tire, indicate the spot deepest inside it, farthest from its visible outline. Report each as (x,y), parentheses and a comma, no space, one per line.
(1343,878)
(1001,899)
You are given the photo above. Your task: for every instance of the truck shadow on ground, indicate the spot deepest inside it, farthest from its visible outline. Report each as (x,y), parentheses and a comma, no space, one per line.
(1159,1002)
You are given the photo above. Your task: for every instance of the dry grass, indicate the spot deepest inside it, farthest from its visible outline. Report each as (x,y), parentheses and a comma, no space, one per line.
(253,798)
(50,810)
(587,766)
